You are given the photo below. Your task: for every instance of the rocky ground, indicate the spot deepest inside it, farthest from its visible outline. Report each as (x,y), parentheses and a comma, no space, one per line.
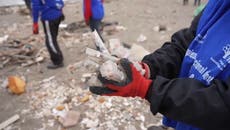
(50,94)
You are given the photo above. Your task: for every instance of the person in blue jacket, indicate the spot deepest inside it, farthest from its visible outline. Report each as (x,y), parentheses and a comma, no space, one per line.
(187,79)
(50,12)
(93,14)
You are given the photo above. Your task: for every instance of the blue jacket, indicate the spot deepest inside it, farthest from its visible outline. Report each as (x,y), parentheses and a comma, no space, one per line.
(47,9)
(93,9)
(208,55)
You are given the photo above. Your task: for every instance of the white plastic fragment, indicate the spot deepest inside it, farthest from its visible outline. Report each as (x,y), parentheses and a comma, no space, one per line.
(117,49)
(92,52)
(4,38)
(121,28)
(90,123)
(62,25)
(99,43)
(9,121)
(4,83)
(110,71)
(70,119)
(141,38)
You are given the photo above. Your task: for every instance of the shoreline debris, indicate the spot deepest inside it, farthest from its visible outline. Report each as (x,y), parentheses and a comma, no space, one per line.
(9,121)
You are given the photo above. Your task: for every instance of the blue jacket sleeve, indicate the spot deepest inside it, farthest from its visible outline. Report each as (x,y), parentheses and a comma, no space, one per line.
(36,7)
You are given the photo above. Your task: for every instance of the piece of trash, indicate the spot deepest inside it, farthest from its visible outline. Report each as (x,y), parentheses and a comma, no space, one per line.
(120,28)
(159,28)
(58,113)
(70,119)
(31,62)
(4,83)
(101,100)
(4,38)
(62,25)
(117,49)
(16,85)
(90,123)
(121,52)
(88,75)
(60,108)
(9,121)
(85,98)
(110,71)
(141,38)
(114,43)
(95,53)
(99,43)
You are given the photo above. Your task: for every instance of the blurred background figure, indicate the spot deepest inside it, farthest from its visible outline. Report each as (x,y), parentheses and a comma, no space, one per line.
(93,14)
(28,4)
(196,2)
(51,14)
(185,2)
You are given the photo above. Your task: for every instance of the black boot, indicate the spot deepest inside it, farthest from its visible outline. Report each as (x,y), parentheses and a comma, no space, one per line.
(54,66)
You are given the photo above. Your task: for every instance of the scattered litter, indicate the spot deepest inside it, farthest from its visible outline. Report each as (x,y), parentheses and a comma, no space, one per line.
(88,75)
(51,98)
(16,85)
(117,49)
(85,98)
(110,71)
(62,25)
(58,113)
(160,28)
(141,38)
(70,119)
(9,121)
(60,108)
(4,38)
(90,123)
(121,28)
(101,99)
(17,52)
(114,43)
(99,43)
(94,53)
(4,83)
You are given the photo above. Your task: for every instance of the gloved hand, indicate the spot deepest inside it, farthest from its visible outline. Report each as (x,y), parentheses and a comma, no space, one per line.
(143,68)
(134,85)
(35,28)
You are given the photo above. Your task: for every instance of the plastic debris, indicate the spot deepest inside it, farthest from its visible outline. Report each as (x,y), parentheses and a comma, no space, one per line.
(92,52)
(70,119)
(4,38)
(110,71)
(9,121)
(117,49)
(141,38)
(99,43)
(16,85)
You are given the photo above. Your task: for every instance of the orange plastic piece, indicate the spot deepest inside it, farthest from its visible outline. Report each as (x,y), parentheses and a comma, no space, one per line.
(16,85)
